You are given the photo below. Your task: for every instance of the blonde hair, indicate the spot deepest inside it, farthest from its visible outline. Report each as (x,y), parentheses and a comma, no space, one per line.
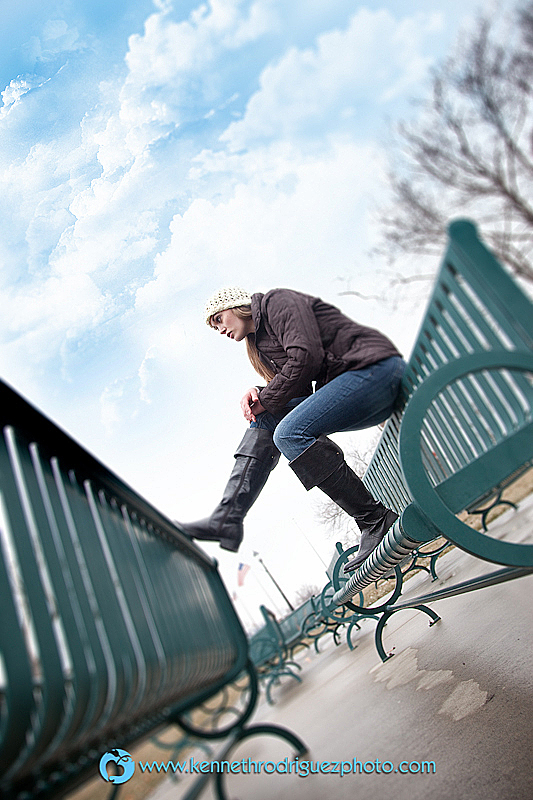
(245,312)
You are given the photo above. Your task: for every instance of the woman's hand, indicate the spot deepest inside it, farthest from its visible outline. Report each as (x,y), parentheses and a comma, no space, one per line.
(251,405)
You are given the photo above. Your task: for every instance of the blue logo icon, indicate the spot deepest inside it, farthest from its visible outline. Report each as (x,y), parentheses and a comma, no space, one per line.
(123,760)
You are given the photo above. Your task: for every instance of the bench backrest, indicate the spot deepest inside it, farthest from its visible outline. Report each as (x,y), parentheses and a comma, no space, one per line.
(475,307)
(291,626)
(109,616)
(276,638)
(264,648)
(266,644)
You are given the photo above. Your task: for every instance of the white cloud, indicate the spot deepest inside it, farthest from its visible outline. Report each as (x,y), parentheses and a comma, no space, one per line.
(131,210)
(169,54)
(42,322)
(110,414)
(15,90)
(289,219)
(310,91)
(49,50)
(58,37)
(270,214)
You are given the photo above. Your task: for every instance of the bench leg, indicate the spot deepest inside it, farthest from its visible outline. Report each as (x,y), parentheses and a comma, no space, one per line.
(384,619)
(258,730)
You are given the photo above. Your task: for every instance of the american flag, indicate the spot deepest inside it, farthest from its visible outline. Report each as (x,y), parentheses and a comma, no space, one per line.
(242,571)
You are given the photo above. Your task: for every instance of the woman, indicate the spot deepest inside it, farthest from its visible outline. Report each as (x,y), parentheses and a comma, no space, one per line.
(293,341)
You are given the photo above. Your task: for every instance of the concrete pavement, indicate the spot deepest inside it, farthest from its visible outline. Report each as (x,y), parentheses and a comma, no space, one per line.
(458,695)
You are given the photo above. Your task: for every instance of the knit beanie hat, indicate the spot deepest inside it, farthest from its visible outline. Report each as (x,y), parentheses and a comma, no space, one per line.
(226,298)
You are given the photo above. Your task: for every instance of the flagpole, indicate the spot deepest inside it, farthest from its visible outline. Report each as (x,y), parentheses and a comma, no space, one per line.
(273,602)
(274,581)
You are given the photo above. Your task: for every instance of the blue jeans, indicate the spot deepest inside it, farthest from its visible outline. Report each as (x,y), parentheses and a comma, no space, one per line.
(350,402)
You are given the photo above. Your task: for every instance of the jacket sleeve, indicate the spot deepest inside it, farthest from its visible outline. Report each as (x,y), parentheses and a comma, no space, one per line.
(291,319)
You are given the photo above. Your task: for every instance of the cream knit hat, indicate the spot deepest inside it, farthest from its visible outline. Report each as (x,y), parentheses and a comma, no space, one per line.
(226,298)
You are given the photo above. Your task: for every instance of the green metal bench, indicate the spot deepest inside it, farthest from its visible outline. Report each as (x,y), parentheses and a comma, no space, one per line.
(293,627)
(341,615)
(463,429)
(113,623)
(271,652)
(317,624)
(273,646)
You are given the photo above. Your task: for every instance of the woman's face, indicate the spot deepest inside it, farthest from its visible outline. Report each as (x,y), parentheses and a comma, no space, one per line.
(230,325)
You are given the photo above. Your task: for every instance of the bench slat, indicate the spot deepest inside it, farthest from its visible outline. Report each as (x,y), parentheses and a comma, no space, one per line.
(503,299)
(493,466)
(464,327)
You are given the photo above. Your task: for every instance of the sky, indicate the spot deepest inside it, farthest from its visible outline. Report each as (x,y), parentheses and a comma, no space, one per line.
(154,152)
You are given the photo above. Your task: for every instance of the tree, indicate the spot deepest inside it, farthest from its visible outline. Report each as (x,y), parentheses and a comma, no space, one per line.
(305,592)
(470,152)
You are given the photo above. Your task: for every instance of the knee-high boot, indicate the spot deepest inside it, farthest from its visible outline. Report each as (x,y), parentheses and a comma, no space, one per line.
(323,465)
(255,457)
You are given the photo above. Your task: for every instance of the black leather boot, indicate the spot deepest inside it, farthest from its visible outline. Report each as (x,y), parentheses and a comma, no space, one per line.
(255,458)
(323,465)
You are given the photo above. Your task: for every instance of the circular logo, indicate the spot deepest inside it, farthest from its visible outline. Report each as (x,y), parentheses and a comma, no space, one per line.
(122,759)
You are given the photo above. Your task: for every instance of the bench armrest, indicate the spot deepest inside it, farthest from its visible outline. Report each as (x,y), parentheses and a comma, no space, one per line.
(425,496)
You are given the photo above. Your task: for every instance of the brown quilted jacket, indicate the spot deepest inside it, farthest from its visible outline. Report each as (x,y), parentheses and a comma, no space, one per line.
(303,339)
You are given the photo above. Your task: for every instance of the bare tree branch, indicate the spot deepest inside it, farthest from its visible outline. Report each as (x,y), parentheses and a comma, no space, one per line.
(470,151)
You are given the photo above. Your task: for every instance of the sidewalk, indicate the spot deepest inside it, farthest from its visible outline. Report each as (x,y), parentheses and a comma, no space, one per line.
(459,694)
